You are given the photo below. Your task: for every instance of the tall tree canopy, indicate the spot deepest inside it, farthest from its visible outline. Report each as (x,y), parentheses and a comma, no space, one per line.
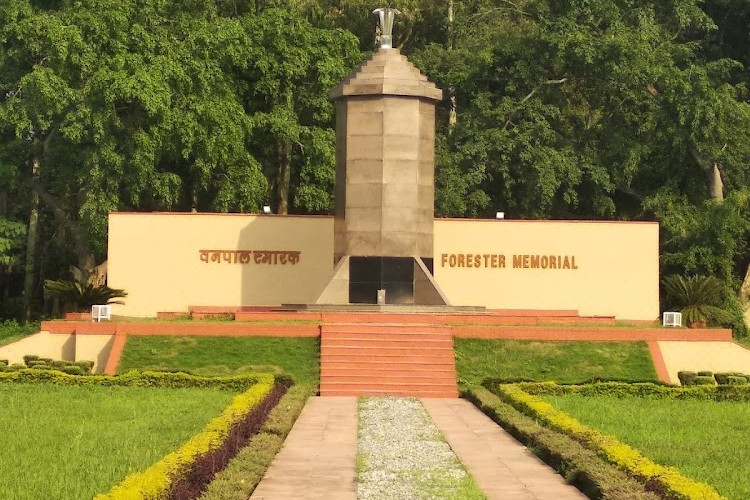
(622,109)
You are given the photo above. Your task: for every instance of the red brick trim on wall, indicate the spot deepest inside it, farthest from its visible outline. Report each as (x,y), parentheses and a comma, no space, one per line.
(118,346)
(591,334)
(187,328)
(499,332)
(658,360)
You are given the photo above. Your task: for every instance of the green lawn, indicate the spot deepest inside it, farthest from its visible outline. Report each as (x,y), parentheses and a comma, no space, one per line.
(705,440)
(297,357)
(563,362)
(10,331)
(67,442)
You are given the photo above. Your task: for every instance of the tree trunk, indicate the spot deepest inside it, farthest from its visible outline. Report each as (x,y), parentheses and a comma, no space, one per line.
(745,288)
(81,245)
(28,281)
(711,169)
(283,176)
(453,113)
(745,295)
(194,196)
(715,182)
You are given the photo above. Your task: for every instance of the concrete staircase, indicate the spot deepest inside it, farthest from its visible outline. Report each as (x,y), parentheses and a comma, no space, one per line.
(387,359)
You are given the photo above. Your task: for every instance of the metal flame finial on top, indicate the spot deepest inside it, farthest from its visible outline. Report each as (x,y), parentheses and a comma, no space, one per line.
(386,16)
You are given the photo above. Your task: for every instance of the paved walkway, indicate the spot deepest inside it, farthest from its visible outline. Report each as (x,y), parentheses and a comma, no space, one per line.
(318,459)
(501,466)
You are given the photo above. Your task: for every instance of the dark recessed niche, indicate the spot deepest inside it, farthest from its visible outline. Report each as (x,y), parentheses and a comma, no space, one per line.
(364,269)
(397,269)
(367,275)
(399,292)
(363,293)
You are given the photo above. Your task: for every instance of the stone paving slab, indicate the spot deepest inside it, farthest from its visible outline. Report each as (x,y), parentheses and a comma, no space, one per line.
(318,459)
(502,467)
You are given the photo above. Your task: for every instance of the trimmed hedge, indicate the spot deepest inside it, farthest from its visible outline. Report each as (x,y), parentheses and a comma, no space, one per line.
(206,466)
(157,481)
(581,467)
(712,392)
(731,378)
(34,361)
(666,481)
(134,378)
(704,380)
(687,377)
(183,473)
(242,475)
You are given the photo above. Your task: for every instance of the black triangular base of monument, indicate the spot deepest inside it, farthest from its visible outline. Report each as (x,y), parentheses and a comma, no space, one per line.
(383,281)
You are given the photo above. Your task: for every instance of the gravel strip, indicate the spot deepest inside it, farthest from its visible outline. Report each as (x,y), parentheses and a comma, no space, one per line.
(402,455)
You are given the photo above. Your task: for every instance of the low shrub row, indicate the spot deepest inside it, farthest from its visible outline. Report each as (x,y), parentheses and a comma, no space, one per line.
(174,471)
(239,479)
(709,378)
(175,380)
(39,363)
(739,393)
(665,481)
(206,466)
(582,467)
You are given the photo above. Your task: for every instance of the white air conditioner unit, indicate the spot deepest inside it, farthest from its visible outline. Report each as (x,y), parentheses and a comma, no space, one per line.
(671,319)
(100,312)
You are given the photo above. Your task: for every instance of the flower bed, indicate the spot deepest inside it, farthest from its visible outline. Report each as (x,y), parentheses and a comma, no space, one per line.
(667,481)
(243,473)
(580,466)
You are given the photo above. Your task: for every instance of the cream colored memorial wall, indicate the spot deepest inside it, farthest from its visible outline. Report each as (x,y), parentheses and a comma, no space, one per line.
(157,259)
(598,268)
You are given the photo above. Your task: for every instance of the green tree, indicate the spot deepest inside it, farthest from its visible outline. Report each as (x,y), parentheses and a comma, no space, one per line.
(124,105)
(291,67)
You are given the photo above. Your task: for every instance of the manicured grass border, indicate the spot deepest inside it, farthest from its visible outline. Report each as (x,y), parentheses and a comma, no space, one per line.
(175,380)
(666,481)
(174,469)
(295,356)
(740,393)
(243,473)
(69,442)
(185,472)
(11,331)
(565,362)
(581,467)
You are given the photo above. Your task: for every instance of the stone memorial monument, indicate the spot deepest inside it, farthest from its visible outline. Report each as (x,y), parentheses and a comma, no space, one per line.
(385,170)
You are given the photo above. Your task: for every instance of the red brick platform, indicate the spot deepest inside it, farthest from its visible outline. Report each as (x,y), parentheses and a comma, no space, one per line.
(387,359)
(356,346)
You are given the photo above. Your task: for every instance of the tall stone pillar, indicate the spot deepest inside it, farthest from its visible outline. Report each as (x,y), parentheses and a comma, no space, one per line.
(385,184)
